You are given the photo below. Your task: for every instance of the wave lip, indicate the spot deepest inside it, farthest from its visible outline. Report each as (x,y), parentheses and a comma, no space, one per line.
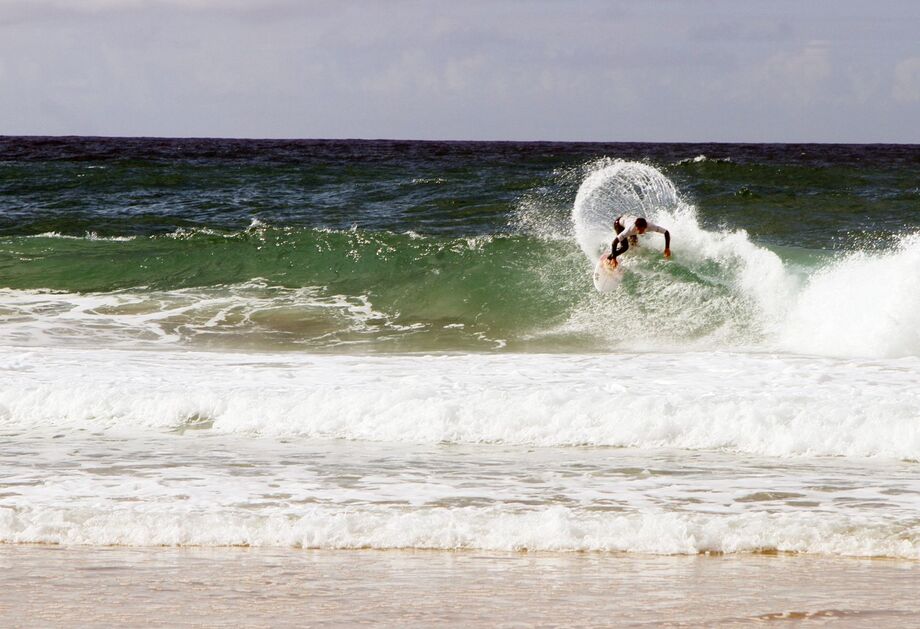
(863,304)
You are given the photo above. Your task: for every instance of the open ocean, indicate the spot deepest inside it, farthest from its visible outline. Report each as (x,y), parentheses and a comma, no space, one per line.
(397,345)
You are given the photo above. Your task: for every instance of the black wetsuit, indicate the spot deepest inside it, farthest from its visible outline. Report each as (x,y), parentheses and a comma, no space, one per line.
(619,247)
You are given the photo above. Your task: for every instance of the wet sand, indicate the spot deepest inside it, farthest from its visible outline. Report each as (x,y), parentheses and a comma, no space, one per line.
(51,586)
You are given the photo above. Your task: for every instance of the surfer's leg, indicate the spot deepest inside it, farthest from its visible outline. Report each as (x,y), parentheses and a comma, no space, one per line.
(618,228)
(618,248)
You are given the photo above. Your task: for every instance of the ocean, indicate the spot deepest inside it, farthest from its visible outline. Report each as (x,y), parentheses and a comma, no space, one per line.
(397,345)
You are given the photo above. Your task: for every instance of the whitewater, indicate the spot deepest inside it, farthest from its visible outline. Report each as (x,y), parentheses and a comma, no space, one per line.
(374,387)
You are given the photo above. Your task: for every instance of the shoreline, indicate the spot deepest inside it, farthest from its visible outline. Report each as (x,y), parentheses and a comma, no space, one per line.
(254,587)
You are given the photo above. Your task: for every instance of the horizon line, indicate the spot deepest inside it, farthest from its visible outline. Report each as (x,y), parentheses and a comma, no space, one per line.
(450,141)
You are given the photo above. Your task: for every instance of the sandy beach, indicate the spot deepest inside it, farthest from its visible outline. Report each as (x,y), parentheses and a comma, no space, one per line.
(51,586)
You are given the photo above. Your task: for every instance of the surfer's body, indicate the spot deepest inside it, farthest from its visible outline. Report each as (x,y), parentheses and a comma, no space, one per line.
(628,229)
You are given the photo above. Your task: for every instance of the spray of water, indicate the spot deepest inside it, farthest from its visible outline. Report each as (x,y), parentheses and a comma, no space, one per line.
(721,289)
(617,187)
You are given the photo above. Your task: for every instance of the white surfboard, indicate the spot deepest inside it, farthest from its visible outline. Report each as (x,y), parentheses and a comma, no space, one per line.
(606,278)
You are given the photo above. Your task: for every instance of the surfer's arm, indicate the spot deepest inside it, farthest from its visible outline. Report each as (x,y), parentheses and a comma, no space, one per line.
(667,237)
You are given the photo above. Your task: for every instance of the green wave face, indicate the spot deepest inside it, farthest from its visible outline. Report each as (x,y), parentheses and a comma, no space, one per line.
(333,290)
(316,287)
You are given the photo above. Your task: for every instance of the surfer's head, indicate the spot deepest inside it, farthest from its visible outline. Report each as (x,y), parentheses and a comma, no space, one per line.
(641,225)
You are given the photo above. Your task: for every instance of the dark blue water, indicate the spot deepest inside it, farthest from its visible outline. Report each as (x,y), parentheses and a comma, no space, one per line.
(822,196)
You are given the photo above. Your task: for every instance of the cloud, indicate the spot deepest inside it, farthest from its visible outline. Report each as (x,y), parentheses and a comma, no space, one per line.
(16,12)
(504,69)
(907,81)
(798,77)
(97,6)
(742,31)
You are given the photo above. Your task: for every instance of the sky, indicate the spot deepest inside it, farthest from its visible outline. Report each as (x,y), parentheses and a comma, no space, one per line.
(594,70)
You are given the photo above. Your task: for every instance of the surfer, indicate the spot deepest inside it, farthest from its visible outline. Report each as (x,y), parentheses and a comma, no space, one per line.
(628,229)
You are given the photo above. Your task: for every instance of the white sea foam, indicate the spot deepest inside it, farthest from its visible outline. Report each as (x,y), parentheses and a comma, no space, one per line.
(136,447)
(552,529)
(618,187)
(861,305)
(255,309)
(198,488)
(864,304)
(761,404)
(699,159)
(87,236)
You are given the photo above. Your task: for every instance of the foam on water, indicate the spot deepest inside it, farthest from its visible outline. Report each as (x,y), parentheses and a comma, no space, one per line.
(552,529)
(197,487)
(87,236)
(252,313)
(618,187)
(746,403)
(862,304)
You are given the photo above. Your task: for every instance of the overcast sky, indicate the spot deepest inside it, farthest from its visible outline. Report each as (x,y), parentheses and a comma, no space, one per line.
(649,70)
